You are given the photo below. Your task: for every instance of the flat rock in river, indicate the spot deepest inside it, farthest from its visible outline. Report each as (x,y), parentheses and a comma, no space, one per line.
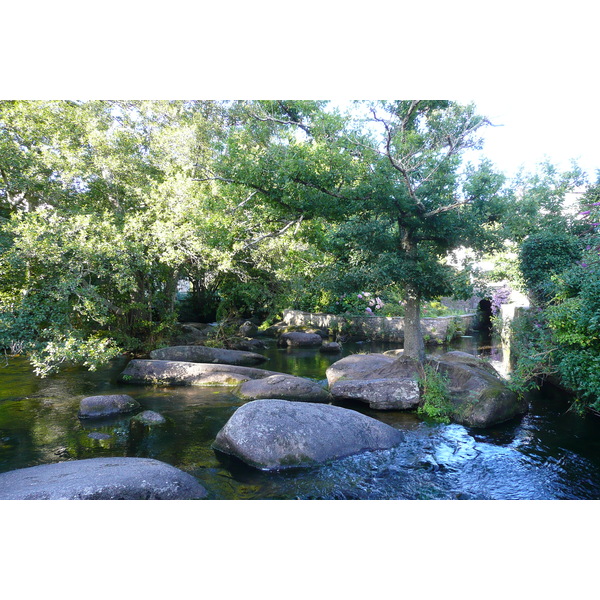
(274,434)
(284,387)
(204,354)
(171,372)
(114,478)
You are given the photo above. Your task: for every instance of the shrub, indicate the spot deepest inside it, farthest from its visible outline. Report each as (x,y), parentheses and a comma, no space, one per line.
(543,255)
(435,396)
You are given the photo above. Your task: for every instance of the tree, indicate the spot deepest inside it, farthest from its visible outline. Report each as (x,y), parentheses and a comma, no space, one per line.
(388,185)
(101,213)
(101,219)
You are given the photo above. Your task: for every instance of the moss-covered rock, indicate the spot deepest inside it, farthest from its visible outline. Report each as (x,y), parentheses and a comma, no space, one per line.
(479,395)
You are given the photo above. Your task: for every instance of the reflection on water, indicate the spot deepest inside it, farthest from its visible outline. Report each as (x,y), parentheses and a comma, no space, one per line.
(550,453)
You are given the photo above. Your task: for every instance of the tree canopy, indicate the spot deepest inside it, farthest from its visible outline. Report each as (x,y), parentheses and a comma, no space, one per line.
(388,185)
(106,205)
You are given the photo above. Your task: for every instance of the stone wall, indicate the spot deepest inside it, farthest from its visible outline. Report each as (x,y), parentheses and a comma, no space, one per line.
(435,330)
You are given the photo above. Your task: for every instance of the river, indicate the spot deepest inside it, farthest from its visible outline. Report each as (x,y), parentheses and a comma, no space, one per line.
(549,453)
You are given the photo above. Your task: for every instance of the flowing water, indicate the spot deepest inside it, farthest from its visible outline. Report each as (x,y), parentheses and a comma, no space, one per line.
(550,453)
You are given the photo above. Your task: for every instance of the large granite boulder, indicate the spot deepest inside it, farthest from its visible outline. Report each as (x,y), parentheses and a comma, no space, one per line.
(401,366)
(96,407)
(284,387)
(300,339)
(464,358)
(357,366)
(170,372)
(274,434)
(480,396)
(399,393)
(204,354)
(114,478)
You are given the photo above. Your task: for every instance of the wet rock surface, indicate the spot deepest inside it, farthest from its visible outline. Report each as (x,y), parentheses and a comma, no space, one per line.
(275,434)
(148,418)
(285,387)
(331,347)
(480,396)
(170,372)
(380,394)
(115,478)
(204,354)
(97,407)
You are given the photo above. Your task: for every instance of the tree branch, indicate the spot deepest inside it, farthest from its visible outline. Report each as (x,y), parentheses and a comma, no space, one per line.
(253,186)
(270,235)
(444,209)
(244,201)
(395,164)
(319,188)
(292,121)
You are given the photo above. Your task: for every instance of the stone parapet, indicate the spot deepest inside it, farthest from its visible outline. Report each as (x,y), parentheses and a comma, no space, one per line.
(436,330)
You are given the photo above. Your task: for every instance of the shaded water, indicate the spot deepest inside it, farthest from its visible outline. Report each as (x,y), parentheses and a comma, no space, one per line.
(549,453)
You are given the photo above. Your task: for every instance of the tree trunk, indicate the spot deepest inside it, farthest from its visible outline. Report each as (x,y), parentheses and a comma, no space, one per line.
(414,347)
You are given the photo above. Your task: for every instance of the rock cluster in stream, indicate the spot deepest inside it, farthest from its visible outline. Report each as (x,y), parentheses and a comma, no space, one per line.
(287,421)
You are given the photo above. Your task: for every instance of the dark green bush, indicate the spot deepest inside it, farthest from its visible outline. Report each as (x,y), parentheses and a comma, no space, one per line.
(543,255)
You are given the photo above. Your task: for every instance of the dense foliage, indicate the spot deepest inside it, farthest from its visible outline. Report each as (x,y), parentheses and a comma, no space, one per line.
(383,194)
(106,206)
(560,335)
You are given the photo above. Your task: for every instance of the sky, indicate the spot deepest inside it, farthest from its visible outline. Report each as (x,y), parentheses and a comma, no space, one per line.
(529,131)
(529,66)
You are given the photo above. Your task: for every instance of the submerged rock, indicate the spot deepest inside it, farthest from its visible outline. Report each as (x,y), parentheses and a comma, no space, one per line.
(284,387)
(148,418)
(170,372)
(98,435)
(274,434)
(106,406)
(114,478)
(204,354)
(399,393)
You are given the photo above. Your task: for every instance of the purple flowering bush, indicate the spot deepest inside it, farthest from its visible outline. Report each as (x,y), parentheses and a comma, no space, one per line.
(500,297)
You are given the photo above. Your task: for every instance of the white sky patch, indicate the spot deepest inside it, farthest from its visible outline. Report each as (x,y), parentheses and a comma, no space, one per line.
(529,131)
